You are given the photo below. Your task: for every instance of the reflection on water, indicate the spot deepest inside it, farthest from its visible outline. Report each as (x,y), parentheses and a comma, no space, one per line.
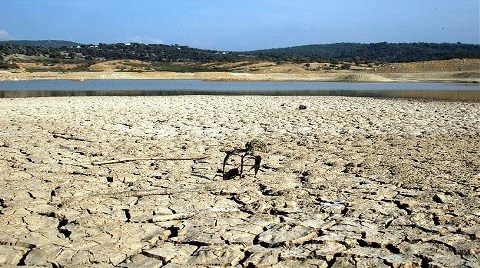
(453,95)
(52,88)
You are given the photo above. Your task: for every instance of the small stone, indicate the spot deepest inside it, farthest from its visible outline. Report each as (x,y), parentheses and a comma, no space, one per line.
(301,263)
(344,262)
(401,260)
(471,261)
(171,217)
(370,262)
(461,243)
(79,257)
(202,235)
(447,261)
(10,255)
(261,257)
(141,260)
(169,251)
(439,198)
(239,236)
(297,253)
(327,250)
(217,256)
(287,235)
(42,256)
(316,221)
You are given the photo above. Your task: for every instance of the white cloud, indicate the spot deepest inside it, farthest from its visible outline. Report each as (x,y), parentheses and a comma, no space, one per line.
(144,40)
(4,35)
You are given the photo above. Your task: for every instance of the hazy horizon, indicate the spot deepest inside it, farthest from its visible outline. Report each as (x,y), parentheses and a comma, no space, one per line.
(241,25)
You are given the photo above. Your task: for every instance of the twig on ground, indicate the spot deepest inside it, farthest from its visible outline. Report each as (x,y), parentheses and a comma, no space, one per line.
(69,137)
(172,217)
(123,160)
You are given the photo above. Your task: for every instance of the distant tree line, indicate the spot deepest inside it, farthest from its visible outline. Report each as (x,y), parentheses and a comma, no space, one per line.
(351,52)
(41,43)
(121,51)
(380,52)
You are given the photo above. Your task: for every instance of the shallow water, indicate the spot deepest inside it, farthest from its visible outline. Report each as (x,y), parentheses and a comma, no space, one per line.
(47,88)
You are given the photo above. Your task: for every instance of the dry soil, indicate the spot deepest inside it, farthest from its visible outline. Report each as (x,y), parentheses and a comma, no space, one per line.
(345,182)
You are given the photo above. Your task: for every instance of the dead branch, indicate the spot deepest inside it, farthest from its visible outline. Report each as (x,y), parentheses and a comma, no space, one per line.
(173,217)
(124,160)
(143,193)
(68,137)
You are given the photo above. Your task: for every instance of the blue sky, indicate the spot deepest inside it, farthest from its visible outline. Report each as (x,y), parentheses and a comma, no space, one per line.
(241,24)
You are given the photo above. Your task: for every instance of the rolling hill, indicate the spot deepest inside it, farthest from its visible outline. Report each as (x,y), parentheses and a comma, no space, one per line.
(351,52)
(42,43)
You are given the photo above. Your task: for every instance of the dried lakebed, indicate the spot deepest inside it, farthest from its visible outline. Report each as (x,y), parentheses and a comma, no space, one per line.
(135,182)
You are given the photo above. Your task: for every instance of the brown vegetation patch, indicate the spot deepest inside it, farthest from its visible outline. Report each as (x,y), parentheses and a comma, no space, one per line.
(433,66)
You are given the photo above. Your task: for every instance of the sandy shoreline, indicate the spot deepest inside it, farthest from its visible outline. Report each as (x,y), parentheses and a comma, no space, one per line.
(375,182)
(339,76)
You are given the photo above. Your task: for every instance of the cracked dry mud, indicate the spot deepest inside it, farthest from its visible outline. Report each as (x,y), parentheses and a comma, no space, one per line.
(346,182)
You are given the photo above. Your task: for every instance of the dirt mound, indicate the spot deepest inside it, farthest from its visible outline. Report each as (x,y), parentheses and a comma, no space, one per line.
(116,65)
(433,66)
(365,78)
(467,75)
(100,67)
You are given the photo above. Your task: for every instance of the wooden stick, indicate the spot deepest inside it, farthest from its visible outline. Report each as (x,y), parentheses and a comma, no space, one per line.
(173,217)
(66,137)
(123,160)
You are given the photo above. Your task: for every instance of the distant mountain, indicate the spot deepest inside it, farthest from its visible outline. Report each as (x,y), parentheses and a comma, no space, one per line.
(42,43)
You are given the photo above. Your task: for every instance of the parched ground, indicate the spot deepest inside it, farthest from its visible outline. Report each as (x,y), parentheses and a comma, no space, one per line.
(346,182)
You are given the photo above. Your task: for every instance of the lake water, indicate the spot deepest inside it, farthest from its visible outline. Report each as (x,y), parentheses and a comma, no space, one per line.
(43,88)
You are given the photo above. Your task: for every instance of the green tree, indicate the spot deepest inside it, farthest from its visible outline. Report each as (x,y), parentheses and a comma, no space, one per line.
(345,66)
